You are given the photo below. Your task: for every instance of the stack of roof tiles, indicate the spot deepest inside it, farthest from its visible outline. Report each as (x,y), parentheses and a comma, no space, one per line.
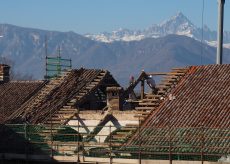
(200,108)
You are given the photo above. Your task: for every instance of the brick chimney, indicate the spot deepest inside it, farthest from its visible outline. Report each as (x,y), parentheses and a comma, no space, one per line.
(4,73)
(114,100)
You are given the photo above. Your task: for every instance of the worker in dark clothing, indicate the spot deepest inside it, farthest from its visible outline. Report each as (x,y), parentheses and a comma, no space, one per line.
(131,80)
(151,83)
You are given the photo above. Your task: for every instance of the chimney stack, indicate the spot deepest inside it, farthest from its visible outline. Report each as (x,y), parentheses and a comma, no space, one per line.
(4,73)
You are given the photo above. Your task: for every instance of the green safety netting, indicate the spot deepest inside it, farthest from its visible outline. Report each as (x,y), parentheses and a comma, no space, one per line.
(153,143)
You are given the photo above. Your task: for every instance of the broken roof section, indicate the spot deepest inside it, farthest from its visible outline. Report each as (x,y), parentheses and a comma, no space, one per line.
(64,96)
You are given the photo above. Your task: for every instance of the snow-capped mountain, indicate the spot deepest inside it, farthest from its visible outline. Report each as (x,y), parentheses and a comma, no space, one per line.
(118,35)
(178,24)
(24,50)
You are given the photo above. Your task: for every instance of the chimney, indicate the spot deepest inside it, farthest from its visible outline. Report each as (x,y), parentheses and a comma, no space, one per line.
(114,100)
(4,73)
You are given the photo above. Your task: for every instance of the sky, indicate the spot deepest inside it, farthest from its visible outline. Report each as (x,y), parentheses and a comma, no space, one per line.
(94,16)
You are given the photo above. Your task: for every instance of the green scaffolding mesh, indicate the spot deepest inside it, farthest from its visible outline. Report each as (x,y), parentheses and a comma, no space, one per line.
(192,144)
(56,65)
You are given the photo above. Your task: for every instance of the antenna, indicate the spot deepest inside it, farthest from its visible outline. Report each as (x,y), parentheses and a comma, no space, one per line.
(46,53)
(59,61)
(220,31)
(46,45)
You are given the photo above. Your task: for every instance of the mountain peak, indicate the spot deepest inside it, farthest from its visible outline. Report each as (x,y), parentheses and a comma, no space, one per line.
(178,24)
(179,14)
(178,19)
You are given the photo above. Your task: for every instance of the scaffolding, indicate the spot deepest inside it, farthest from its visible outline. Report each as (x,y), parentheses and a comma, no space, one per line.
(56,65)
(171,144)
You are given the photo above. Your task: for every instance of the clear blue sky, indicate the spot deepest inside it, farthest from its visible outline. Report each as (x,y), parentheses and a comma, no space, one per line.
(93,16)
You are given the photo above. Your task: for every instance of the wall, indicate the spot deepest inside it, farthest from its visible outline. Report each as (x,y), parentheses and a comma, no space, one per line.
(90,119)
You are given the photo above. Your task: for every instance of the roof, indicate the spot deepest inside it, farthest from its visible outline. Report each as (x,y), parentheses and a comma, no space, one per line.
(201,99)
(13,94)
(73,87)
(201,107)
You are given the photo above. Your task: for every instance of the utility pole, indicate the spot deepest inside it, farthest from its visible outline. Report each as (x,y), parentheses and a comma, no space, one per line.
(220,31)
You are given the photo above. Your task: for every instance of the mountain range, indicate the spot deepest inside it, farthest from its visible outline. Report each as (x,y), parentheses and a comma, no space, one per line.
(24,49)
(178,24)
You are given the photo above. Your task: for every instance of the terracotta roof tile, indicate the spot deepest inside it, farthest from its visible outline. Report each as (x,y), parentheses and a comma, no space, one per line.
(13,94)
(202,100)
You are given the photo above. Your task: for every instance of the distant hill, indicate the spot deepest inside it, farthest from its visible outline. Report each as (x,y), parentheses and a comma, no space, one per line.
(26,48)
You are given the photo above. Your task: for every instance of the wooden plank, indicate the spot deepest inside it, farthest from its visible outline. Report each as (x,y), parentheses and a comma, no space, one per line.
(70,103)
(131,125)
(67,112)
(89,88)
(119,137)
(150,100)
(122,133)
(140,116)
(143,112)
(153,96)
(100,76)
(67,107)
(61,115)
(102,73)
(170,77)
(149,104)
(94,83)
(165,83)
(97,80)
(169,80)
(176,73)
(163,87)
(144,108)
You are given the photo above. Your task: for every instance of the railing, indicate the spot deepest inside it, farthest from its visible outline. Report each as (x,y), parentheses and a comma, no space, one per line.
(149,143)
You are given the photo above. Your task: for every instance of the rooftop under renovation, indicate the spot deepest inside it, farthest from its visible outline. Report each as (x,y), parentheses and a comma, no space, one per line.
(84,115)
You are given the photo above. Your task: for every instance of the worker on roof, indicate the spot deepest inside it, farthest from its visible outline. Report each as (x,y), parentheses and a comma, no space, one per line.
(131,80)
(151,83)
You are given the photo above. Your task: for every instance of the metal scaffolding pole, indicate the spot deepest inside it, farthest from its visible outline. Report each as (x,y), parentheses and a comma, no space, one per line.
(220,31)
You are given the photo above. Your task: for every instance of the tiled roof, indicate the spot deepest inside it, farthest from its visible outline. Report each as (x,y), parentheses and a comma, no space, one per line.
(201,99)
(13,94)
(200,108)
